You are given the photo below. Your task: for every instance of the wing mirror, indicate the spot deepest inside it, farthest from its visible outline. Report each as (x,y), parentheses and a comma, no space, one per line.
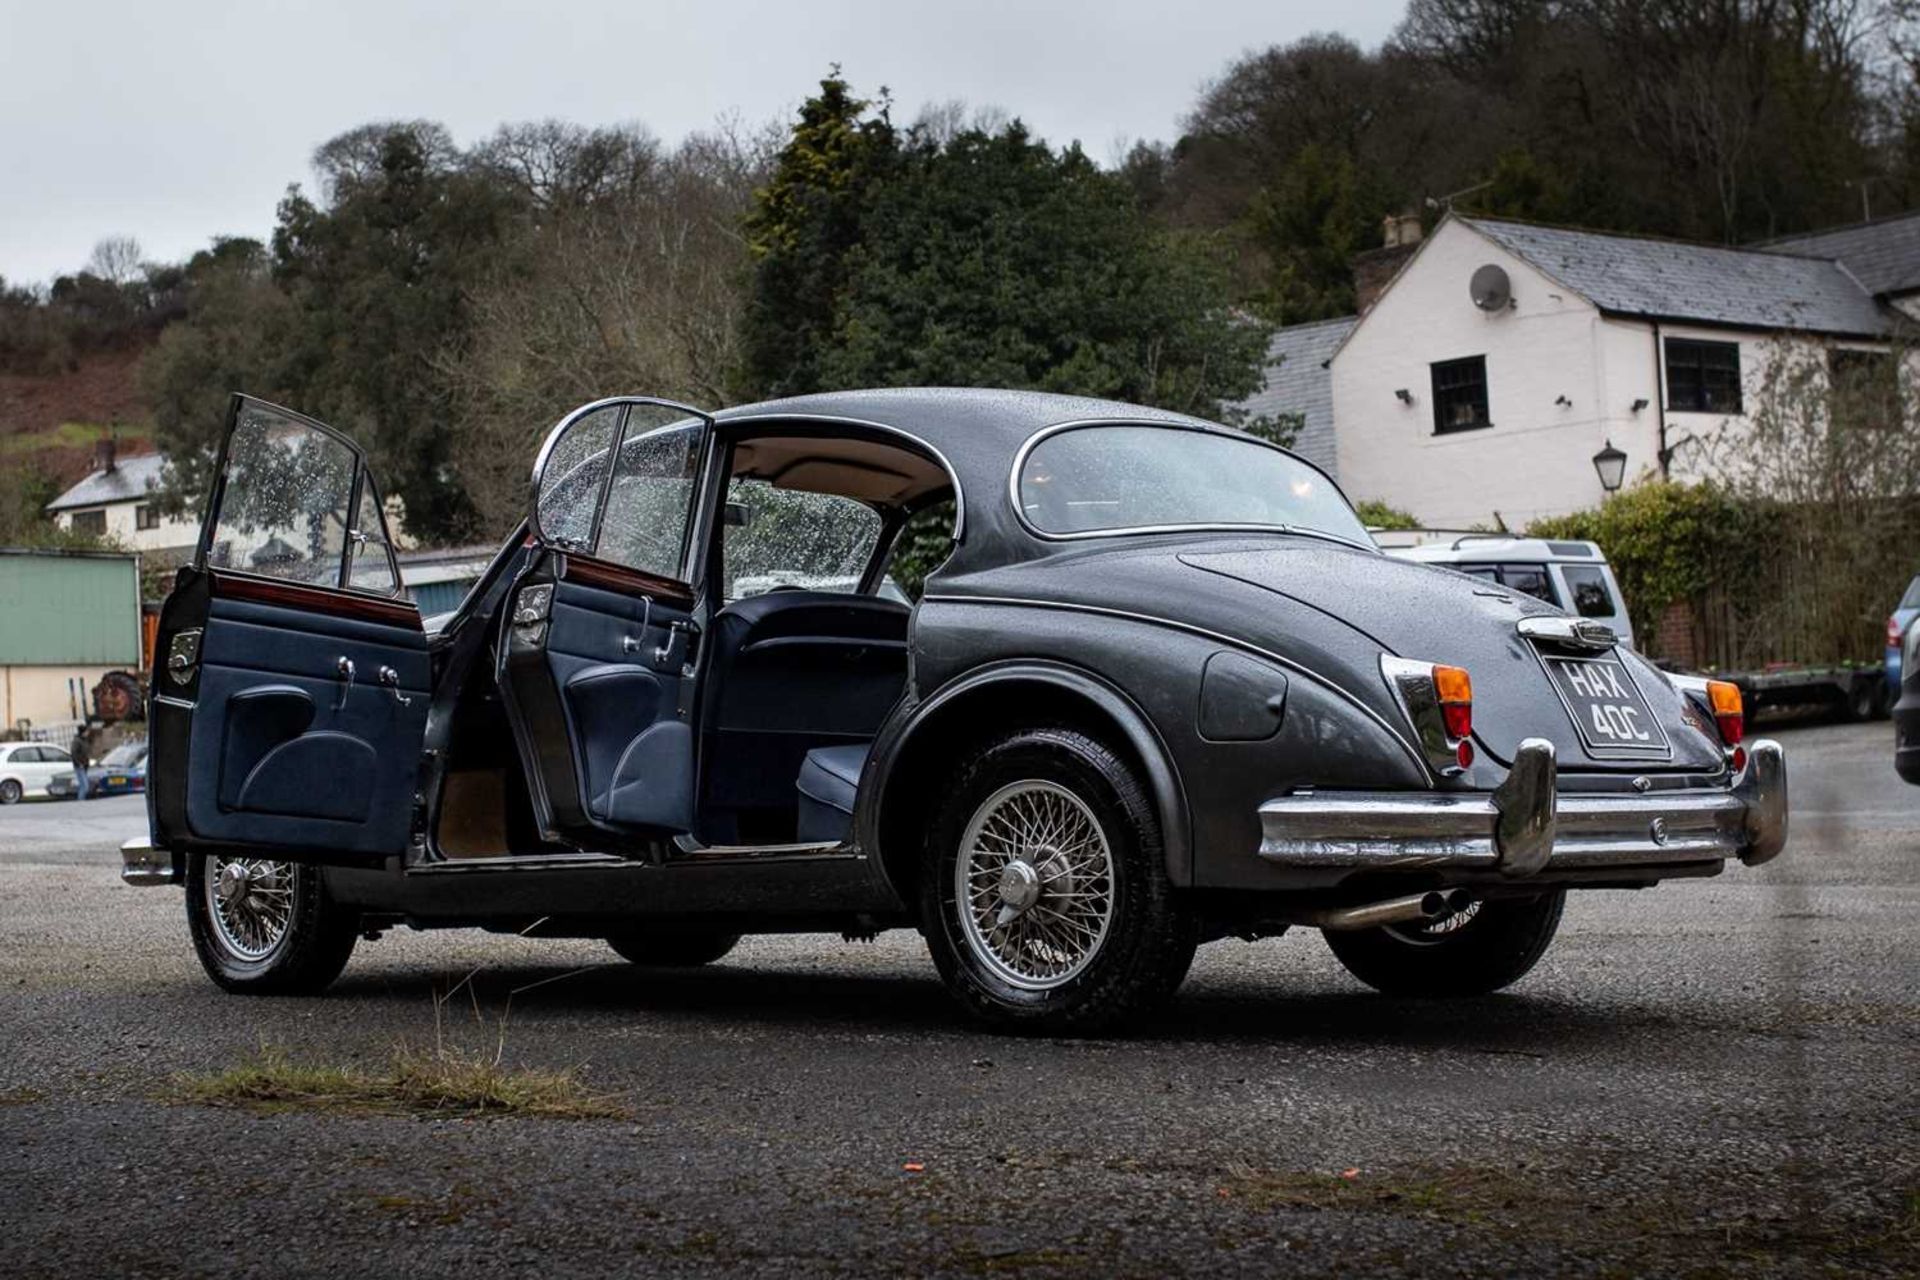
(736,515)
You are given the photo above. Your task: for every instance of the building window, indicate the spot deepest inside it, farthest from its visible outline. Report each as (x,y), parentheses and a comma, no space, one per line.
(146,516)
(92,523)
(1460,395)
(1703,377)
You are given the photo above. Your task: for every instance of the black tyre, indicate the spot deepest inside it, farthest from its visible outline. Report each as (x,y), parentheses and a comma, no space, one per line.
(10,791)
(1484,948)
(267,928)
(669,947)
(1043,890)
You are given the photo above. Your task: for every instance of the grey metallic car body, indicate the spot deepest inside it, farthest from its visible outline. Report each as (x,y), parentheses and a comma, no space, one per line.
(1241,672)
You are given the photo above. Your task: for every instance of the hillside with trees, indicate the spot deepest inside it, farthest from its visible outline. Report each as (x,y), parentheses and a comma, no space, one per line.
(445,303)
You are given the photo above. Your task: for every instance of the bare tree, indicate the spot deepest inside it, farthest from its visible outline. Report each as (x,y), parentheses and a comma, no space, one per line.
(116,259)
(640,291)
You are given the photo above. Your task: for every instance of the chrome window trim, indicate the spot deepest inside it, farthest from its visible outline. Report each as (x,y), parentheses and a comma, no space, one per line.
(1412,751)
(1077,424)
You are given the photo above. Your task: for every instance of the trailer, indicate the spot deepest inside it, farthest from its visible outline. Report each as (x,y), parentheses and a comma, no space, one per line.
(1854,691)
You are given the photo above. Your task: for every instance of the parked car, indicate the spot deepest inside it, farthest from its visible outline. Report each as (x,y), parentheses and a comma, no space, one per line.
(122,771)
(1898,623)
(26,768)
(1906,712)
(1568,574)
(1164,690)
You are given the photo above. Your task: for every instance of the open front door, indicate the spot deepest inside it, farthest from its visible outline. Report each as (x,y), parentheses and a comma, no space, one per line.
(598,652)
(293,680)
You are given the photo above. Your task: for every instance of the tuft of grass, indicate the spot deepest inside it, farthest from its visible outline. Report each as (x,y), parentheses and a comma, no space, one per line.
(21,1097)
(442,1082)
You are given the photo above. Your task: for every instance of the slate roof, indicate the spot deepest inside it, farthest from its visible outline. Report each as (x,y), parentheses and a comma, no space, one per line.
(1298,381)
(132,478)
(1883,255)
(1671,280)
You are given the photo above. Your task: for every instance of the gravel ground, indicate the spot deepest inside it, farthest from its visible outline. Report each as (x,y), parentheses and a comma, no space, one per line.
(1713,1078)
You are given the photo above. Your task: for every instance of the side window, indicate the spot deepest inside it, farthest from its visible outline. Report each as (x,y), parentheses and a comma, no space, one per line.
(572,476)
(371,566)
(651,499)
(55,755)
(1591,598)
(283,510)
(1530,578)
(93,523)
(27,755)
(633,508)
(790,538)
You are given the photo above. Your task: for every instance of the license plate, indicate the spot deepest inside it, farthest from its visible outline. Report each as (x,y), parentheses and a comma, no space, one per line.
(116,781)
(1611,716)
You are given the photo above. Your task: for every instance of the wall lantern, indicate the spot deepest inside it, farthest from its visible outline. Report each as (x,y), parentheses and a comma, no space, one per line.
(1611,463)
(1404,396)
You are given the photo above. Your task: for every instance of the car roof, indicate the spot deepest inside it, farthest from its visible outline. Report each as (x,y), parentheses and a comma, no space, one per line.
(976,432)
(1473,548)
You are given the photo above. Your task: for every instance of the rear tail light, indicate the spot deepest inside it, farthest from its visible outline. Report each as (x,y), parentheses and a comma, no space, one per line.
(1438,702)
(1455,691)
(1729,711)
(1893,632)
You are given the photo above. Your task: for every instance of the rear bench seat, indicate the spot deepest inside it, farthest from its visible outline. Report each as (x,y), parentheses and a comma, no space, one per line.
(829,780)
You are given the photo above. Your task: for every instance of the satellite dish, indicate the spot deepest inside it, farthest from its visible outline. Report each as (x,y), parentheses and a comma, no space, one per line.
(1491,289)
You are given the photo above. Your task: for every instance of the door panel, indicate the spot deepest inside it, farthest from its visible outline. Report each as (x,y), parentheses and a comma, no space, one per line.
(597,653)
(290,712)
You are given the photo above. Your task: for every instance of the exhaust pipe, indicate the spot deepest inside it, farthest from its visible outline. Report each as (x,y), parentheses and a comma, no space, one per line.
(1432,905)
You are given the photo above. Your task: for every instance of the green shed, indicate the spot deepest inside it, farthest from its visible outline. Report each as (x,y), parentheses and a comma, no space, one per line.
(66,619)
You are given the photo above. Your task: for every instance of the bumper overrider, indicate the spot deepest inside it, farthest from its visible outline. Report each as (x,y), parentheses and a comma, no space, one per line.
(1527,825)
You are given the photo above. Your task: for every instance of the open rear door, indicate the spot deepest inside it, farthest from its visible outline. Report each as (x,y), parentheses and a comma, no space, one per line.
(293,680)
(598,652)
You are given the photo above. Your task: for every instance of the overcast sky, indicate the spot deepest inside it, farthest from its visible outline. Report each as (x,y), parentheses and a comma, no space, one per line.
(175,122)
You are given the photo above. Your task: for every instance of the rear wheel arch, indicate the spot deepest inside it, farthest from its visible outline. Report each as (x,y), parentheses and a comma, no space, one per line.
(914,759)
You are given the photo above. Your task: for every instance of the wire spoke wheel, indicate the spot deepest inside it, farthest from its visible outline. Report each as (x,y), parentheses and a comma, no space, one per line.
(1034,884)
(251,903)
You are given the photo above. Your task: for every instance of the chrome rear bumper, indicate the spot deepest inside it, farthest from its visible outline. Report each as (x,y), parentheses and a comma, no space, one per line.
(1527,825)
(143,865)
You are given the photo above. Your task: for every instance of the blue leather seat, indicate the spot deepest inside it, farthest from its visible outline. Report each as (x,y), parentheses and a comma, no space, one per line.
(829,780)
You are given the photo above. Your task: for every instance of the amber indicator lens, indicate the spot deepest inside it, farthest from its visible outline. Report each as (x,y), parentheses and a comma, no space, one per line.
(1729,711)
(1454,690)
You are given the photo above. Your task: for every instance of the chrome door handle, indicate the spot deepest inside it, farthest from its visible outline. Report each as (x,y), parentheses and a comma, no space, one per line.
(345,667)
(391,679)
(630,644)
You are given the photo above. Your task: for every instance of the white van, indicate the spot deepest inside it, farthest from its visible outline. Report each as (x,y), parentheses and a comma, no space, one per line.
(1572,575)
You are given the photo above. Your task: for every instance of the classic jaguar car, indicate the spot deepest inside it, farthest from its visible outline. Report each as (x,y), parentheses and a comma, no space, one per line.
(1163,690)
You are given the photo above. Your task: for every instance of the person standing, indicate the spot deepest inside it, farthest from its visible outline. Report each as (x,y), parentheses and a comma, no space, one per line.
(82,759)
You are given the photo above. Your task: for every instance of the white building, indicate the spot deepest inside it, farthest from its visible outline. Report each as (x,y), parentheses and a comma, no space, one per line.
(116,501)
(1502,356)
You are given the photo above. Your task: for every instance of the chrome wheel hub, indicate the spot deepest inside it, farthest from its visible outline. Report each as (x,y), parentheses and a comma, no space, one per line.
(250,901)
(1034,884)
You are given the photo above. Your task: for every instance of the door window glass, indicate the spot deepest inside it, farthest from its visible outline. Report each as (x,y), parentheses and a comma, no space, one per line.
(55,755)
(645,523)
(1591,599)
(283,511)
(1530,578)
(572,477)
(370,567)
(788,538)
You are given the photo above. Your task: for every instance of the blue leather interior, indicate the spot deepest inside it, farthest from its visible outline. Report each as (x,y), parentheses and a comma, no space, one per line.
(828,783)
(284,751)
(789,672)
(633,753)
